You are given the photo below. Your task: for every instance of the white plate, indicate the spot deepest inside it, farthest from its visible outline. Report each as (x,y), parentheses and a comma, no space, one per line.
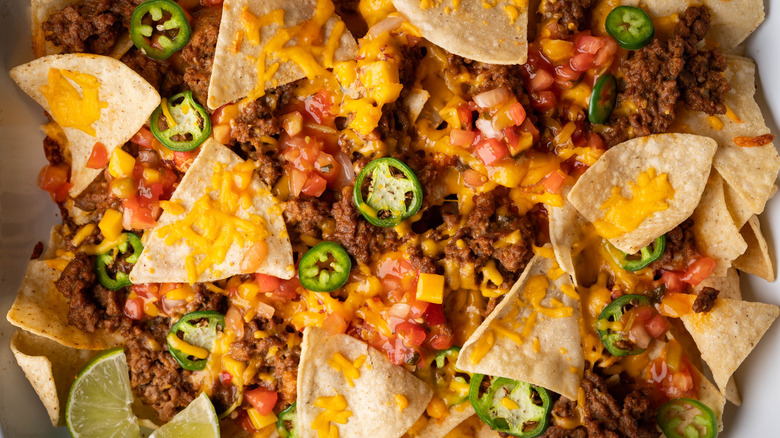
(27,214)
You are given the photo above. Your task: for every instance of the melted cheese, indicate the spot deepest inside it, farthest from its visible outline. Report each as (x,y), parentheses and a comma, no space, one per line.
(349,369)
(334,411)
(69,108)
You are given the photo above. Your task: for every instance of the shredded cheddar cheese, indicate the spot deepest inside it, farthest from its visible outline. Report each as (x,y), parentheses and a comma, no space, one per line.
(334,411)
(69,108)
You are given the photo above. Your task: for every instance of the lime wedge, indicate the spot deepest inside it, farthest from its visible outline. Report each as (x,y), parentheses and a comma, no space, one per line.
(199,419)
(100,397)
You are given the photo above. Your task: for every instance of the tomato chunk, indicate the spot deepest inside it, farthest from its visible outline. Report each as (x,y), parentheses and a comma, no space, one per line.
(491,151)
(262,399)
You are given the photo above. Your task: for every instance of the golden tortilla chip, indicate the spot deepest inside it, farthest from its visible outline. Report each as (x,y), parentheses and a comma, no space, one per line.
(565,230)
(495,34)
(713,226)
(50,367)
(750,171)
(728,333)
(756,259)
(685,159)
(161,262)
(434,428)
(739,208)
(371,398)
(550,355)
(239,60)
(732,20)
(732,392)
(728,285)
(41,309)
(124,102)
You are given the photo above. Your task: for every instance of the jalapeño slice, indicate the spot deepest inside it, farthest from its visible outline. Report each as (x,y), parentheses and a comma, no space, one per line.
(198,333)
(394,193)
(687,418)
(170,23)
(631,27)
(510,406)
(324,268)
(450,384)
(646,255)
(108,258)
(602,99)
(612,313)
(287,422)
(187,124)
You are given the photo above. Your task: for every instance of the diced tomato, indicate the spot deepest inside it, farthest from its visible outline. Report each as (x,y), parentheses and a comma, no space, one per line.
(543,100)
(582,62)
(672,281)
(491,151)
(262,399)
(595,141)
(657,326)
(144,138)
(517,113)
(134,308)
(147,291)
(675,384)
(98,159)
(392,269)
(245,423)
(699,270)
(606,53)
(462,137)
(465,116)
(554,182)
(589,44)
(319,107)
(442,341)
(183,160)
(412,334)
(328,167)
(136,216)
(434,314)
(315,185)
(287,290)
(566,75)
(297,181)
(267,283)
(334,324)
(54,179)
(541,80)
(225,378)
(529,127)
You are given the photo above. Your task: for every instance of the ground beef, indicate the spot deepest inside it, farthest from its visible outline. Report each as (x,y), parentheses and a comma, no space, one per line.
(91,306)
(37,251)
(615,132)
(490,76)
(198,54)
(160,74)
(571,15)
(305,214)
(660,74)
(91,27)
(420,261)
(268,168)
(207,300)
(155,376)
(608,412)
(261,117)
(358,237)
(97,197)
(53,151)
(705,300)
(680,249)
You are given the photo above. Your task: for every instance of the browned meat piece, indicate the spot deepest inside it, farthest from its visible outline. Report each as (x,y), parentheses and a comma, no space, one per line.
(198,54)
(52,150)
(571,14)
(358,237)
(261,117)
(97,197)
(159,74)
(490,76)
(420,261)
(705,300)
(306,214)
(680,249)
(91,27)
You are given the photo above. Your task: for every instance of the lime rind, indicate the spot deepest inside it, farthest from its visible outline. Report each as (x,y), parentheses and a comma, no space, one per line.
(198,419)
(99,399)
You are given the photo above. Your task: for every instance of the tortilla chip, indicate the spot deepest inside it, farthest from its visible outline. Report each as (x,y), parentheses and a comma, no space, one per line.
(732,392)
(738,207)
(716,234)
(750,171)
(415,102)
(439,429)
(236,57)
(41,309)
(50,367)
(496,35)
(371,397)
(728,28)
(129,99)
(163,263)
(756,259)
(555,362)
(685,159)
(728,285)
(728,333)
(565,230)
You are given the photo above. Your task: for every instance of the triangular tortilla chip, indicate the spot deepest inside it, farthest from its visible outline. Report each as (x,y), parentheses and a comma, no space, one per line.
(438,429)
(732,20)
(685,159)
(732,392)
(565,230)
(497,34)
(713,226)
(41,309)
(554,362)
(128,100)
(750,171)
(372,396)
(756,259)
(728,285)
(739,208)
(728,333)
(50,367)
(236,57)
(164,263)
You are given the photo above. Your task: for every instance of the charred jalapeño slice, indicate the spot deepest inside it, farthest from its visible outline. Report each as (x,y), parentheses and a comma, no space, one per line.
(631,27)
(393,192)
(646,255)
(602,99)
(687,418)
(450,384)
(616,342)
(287,423)
(159,28)
(510,406)
(198,332)
(186,124)
(324,268)
(107,259)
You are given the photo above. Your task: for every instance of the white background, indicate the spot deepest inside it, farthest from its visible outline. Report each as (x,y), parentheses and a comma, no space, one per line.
(26,215)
